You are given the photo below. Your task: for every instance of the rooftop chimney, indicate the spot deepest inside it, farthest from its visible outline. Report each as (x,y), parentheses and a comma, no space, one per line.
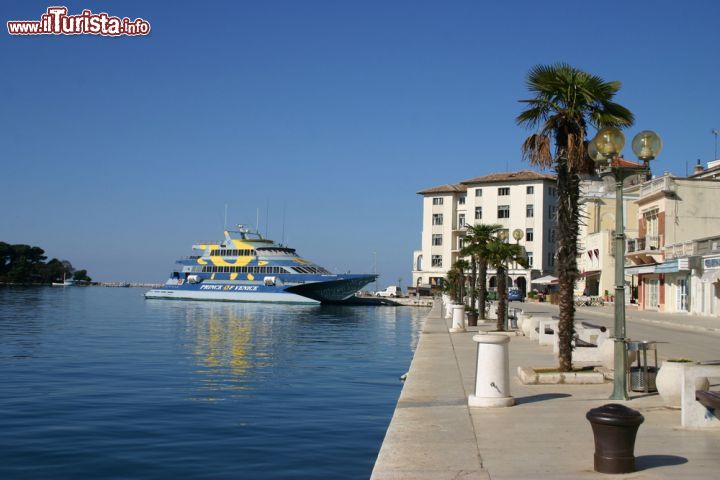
(698,168)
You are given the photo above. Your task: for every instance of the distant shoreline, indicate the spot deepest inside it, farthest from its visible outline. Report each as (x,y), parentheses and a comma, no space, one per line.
(91,284)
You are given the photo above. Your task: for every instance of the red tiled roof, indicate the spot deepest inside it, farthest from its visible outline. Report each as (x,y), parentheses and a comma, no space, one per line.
(521,176)
(448,188)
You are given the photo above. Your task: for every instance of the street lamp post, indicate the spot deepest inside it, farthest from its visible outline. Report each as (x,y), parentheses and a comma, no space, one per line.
(604,150)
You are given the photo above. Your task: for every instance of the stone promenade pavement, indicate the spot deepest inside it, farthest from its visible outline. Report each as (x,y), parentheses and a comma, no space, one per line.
(434,435)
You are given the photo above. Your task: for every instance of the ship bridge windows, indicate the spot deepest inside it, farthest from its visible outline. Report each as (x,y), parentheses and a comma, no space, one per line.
(311,269)
(234,269)
(277,251)
(231,252)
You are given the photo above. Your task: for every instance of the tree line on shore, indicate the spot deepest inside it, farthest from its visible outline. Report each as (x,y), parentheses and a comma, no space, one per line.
(26,264)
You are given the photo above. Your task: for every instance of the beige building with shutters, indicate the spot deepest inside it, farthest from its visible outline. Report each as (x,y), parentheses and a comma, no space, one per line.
(523,200)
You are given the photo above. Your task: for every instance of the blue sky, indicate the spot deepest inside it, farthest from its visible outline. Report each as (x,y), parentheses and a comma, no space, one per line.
(118,153)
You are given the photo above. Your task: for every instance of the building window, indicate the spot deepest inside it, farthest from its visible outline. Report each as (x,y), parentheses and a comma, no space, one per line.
(503,191)
(530,211)
(503,211)
(552,209)
(529,235)
(478,213)
(551,259)
(461,220)
(461,243)
(437,201)
(461,200)
(530,190)
(437,219)
(437,239)
(436,260)
(504,235)
(478,192)
(551,234)
(530,258)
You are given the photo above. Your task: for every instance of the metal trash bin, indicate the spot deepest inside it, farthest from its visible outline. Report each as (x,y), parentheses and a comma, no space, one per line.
(641,376)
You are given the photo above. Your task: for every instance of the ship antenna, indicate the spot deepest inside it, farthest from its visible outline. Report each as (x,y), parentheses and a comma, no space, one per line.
(257,221)
(283,228)
(267,216)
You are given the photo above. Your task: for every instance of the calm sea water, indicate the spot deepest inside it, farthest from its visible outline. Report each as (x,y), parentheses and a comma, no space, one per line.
(101,383)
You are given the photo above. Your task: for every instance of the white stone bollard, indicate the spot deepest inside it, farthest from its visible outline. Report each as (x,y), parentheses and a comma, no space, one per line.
(492,377)
(458,319)
(449,309)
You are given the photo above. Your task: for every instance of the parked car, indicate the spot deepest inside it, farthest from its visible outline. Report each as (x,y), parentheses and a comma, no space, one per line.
(391,291)
(515,295)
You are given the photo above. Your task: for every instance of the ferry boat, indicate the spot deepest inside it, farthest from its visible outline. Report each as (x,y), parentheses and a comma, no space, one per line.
(245,267)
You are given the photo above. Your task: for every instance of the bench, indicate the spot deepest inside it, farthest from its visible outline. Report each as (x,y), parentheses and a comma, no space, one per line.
(591,325)
(582,343)
(590,333)
(699,407)
(708,399)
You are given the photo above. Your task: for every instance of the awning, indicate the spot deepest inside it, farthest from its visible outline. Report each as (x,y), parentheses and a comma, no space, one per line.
(591,273)
(640,269)
(673,266)
(710,276)
(546,280)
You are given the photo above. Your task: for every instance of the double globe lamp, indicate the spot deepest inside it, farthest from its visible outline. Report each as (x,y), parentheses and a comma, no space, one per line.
(604,149)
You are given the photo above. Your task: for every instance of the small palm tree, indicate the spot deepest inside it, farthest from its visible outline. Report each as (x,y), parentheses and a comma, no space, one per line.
(461,266)
(567,100)
(477,239)
(499,255)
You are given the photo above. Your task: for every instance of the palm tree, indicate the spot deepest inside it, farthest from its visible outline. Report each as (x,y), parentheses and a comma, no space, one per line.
(499,255)
(477,239)
(566,101)
(461,266)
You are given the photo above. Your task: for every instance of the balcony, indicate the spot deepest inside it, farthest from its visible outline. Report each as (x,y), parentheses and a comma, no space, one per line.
(664,184)
(644,250)
(677,250)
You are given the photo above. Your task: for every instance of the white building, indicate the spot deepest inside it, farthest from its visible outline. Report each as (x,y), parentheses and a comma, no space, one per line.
(524,200)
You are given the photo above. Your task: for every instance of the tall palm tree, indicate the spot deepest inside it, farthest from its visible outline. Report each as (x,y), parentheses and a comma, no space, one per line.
(477,239)
(567,100)
(499,255)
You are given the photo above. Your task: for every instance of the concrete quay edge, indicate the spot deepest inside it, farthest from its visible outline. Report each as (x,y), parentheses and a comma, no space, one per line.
(431,434)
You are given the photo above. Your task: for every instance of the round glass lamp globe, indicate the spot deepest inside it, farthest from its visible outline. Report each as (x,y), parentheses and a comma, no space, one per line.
(609,141)
(593,153)
(647,145)
(518,234)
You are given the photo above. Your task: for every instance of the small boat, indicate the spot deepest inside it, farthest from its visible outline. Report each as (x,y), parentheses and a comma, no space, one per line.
(65,283)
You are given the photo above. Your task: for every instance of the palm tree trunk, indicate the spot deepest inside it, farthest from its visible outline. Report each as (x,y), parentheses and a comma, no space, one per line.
(473,282)
(482,290)
(502,298)
(568,216)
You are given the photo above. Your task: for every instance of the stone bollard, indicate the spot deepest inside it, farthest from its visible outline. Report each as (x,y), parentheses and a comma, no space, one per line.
(492,377)
(458,319)
(448,310)
(614,427)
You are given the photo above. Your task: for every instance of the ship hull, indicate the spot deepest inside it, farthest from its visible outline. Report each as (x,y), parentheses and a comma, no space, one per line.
(340,287)
(228,296)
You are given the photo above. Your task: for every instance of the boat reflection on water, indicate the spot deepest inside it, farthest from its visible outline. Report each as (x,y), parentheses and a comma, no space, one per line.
(236,346)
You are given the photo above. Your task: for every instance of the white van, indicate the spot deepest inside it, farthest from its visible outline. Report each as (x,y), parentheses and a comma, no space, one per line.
(391,291)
